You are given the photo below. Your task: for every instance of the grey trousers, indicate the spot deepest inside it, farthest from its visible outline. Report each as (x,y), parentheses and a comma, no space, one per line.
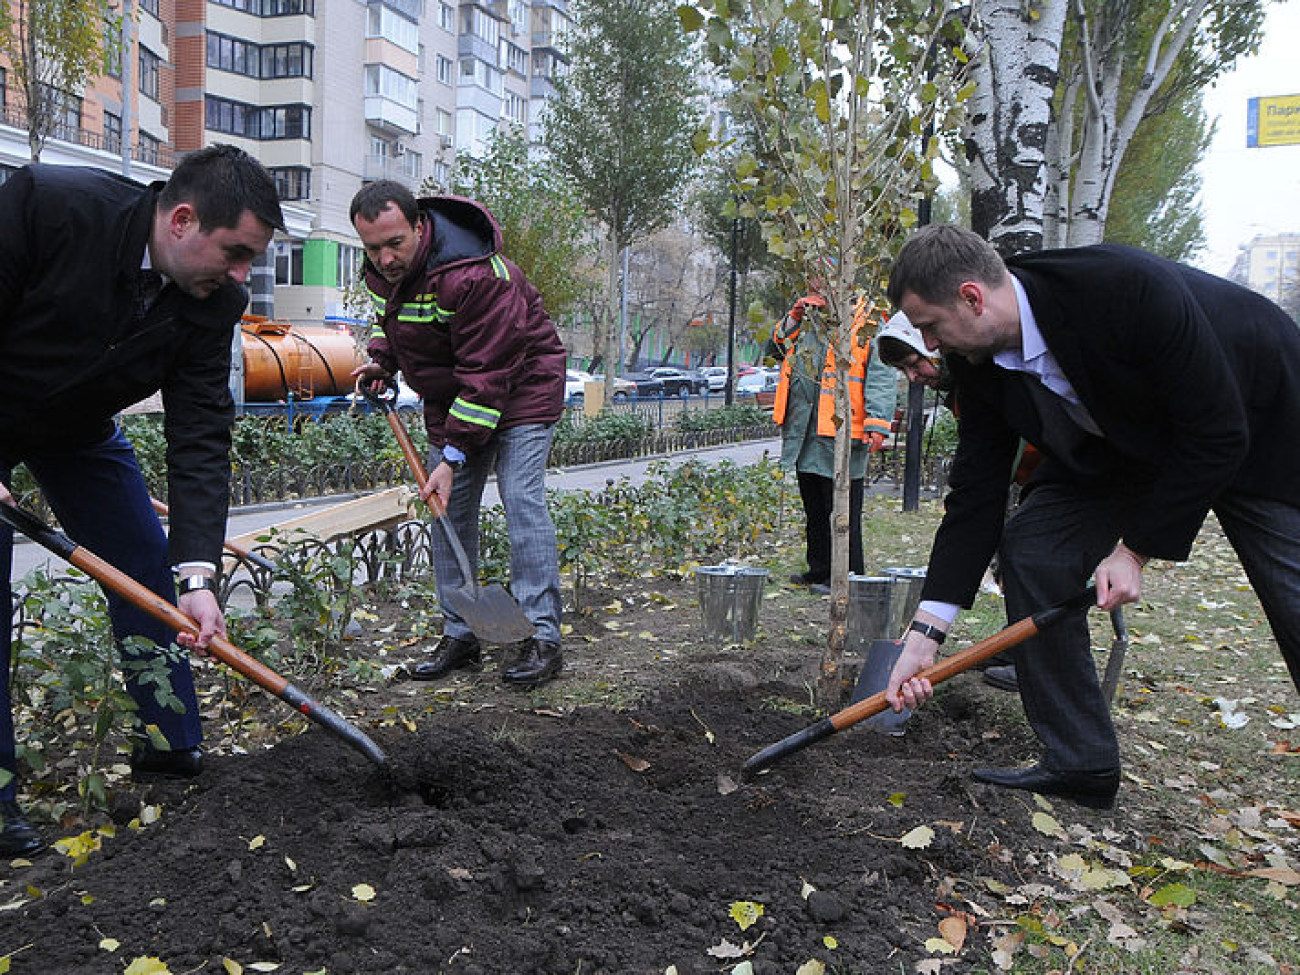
(518,455)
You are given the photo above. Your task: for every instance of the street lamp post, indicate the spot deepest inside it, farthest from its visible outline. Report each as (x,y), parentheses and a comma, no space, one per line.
(730,395)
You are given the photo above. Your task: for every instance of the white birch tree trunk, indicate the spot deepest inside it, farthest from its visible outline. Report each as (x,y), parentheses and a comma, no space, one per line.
(1009,117)
(1108,125)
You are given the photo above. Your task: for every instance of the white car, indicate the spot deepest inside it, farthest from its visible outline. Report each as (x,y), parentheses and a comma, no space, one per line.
(717,377)
(575,386)
(762,381)
(575,382)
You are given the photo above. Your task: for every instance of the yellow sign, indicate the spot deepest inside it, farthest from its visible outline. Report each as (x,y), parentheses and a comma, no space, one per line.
(1273,121)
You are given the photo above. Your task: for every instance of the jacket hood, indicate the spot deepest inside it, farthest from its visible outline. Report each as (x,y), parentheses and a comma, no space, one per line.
(463,229)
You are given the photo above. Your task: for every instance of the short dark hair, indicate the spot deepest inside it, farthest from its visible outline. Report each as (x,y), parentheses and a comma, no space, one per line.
(221,182)
(937,259)
(373,199)
(893,352)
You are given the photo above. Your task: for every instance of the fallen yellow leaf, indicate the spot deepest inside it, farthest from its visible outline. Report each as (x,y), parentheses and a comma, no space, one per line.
(953,930)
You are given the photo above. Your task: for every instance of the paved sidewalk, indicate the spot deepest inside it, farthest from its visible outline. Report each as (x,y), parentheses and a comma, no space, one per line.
(588,477)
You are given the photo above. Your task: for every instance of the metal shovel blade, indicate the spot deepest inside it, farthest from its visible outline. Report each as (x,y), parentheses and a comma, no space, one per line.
(490,612)
(874,678)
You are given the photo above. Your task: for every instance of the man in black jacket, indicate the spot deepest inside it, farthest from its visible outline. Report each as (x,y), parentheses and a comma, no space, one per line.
(109,292)
(1156,393)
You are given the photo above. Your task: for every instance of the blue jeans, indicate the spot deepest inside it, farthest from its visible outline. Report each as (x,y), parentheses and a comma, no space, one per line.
(100,499)
(518,455)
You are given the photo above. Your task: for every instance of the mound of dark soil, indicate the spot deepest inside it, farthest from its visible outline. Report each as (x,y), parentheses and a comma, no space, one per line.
(510,840)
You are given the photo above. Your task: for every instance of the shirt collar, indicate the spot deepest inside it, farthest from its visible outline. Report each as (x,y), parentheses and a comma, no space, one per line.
(1032,344)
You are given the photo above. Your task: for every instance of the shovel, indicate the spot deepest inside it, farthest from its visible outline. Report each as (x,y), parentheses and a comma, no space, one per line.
(1013,635)
(489,610)
(160,609)
(234,548)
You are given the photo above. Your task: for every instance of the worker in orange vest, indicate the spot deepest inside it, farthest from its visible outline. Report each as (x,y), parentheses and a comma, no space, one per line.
(805,410)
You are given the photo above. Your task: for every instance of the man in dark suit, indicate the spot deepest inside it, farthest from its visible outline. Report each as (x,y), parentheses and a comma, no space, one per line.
(111,291)
(1157,393)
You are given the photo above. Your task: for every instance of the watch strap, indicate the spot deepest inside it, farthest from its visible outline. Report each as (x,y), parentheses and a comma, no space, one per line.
(195,582)
(928,630)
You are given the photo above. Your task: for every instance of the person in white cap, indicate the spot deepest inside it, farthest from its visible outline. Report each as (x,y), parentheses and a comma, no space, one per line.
(900,345)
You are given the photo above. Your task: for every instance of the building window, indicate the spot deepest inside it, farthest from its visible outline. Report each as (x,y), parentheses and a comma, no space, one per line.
(286,122)
(148,73)
(476,72)
(350,261)
(112,131)
(409,164)
(271,8)
(150,149)
(232,54)
(516,58)
(150,5)
(443,69)
(516,108)
(288,262)
(65,110)
(391,26)
(113,50)
(289,60)
(253,122)
(478,24)
(292,182)
(447,17)
(384,81)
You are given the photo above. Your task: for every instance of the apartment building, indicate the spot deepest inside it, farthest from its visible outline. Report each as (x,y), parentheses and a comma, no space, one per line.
(1270,263)
(327,94)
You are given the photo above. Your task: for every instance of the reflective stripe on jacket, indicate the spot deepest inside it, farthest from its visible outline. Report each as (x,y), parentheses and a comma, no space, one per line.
(863,420)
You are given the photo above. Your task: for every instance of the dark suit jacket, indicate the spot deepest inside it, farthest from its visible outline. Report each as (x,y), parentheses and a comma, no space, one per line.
(1194,382)
(74,351)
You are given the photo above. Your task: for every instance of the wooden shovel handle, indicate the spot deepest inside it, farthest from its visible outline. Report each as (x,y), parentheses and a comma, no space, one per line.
(1011,636)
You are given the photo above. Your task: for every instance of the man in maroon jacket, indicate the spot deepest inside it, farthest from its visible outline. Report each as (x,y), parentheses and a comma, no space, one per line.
(469,333)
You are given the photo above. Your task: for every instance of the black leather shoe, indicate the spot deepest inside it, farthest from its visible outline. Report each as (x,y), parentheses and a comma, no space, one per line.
(999,659)
(804,579)
(180,763)
(450,654)
(17,837)
(1096,790)
(1003,677)
(538,662)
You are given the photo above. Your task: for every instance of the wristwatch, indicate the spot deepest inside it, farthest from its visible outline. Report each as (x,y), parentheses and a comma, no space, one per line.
(193,583)
(929,631)
(455,465)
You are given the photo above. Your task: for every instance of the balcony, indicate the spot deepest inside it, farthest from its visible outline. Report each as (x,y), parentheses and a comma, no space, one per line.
(386,167)
(410,9)
(473,46)
(390,116)
(75,135)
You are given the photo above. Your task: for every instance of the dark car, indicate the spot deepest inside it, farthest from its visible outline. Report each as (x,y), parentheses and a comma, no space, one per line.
(679,382)
(646,384)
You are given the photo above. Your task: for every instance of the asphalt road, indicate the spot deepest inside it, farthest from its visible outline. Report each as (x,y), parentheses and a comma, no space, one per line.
(589,477)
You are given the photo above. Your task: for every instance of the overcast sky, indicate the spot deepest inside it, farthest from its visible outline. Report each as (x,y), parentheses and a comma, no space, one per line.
(1246,192)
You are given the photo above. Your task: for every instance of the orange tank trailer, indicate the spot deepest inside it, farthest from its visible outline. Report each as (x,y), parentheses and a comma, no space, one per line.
(306,360)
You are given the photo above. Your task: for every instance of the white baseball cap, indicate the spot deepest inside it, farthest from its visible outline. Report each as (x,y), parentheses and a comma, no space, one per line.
(900,328)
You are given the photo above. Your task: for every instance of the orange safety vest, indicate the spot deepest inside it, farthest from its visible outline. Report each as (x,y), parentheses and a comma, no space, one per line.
(861,425)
